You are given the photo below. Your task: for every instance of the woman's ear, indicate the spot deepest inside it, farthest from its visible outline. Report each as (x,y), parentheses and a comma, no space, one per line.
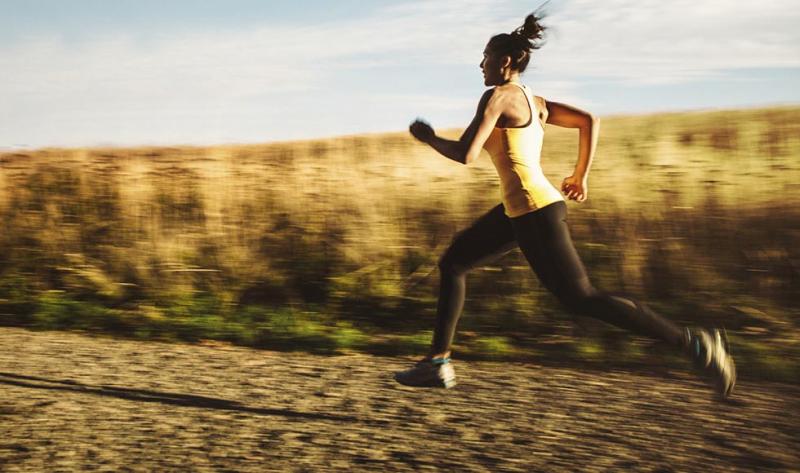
(506,62)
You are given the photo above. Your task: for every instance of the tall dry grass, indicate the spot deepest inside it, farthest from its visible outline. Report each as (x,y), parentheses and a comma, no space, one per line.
(693,212)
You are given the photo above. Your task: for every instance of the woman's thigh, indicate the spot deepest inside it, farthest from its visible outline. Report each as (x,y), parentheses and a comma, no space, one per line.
(488,238)
(545,240)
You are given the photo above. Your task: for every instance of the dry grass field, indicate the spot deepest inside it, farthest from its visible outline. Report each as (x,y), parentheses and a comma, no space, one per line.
(331,245)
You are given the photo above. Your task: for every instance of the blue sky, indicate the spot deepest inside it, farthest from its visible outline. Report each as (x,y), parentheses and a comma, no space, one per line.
(120,72)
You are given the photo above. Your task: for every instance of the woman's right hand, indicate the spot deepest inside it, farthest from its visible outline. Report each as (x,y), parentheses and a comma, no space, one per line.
(422,131)
(575,188)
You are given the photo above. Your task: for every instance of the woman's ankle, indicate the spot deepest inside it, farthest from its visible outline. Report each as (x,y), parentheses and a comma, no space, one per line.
(437,356)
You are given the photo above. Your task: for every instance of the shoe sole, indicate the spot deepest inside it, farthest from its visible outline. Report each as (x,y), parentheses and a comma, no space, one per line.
(430,384)
(726,391)
(434,383)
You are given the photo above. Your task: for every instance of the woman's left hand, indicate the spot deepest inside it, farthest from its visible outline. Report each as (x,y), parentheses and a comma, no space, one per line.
(575,188)
(422,131)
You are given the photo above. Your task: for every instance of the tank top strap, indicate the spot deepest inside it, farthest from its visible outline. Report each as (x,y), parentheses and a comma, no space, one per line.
(527,93)
(537,112)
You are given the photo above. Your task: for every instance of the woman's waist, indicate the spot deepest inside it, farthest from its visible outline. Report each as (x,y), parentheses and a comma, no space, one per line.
(525,177)
(545,191)
(536,189)
(523,201)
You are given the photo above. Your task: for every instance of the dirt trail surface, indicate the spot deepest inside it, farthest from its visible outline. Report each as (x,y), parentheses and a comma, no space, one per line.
(70,402)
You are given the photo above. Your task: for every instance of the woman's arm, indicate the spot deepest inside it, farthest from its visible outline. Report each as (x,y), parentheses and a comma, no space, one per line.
(575,186)
(468,147)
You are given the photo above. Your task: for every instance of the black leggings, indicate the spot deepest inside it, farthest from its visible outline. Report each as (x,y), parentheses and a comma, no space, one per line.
(545,241)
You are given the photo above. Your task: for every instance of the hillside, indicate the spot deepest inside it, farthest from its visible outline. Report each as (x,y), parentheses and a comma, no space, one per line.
(331,245)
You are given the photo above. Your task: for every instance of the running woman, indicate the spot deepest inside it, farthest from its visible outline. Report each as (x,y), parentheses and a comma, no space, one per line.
(509,124)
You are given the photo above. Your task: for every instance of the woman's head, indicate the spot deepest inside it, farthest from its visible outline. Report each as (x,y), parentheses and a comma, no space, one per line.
(508,53)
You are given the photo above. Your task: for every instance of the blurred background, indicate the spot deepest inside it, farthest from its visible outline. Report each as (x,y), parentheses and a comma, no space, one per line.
(331,245)
(162,175)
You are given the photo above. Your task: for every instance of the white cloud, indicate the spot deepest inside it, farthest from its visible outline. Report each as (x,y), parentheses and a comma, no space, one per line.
(654,41)
(237,75)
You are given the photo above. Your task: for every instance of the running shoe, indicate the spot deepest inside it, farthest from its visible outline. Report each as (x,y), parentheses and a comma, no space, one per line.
(435,373)
(712,355)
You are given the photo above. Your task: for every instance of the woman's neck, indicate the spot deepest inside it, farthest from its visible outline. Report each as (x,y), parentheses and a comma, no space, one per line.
(514,77)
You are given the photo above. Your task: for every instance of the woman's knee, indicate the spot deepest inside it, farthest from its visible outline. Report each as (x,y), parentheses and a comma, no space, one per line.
(578,298)
(451,266)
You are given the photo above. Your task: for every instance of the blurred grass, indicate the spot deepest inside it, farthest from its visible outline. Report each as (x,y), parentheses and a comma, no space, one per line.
(331,245)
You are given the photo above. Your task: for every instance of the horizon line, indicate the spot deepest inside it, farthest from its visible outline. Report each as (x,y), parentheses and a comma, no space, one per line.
(131,146)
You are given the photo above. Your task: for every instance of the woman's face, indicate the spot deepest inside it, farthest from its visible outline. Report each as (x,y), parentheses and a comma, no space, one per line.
(493,68)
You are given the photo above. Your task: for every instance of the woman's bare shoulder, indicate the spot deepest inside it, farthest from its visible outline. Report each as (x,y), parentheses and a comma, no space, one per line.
(503,94)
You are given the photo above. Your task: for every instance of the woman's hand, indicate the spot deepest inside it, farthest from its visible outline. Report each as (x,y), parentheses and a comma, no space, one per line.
(422,131)
(575,188)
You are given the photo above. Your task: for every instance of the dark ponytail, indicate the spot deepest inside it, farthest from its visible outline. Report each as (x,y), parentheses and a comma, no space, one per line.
(533,30)
(519,44)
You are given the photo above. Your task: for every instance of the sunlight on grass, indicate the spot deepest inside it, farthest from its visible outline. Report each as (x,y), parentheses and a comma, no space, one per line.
(333,244)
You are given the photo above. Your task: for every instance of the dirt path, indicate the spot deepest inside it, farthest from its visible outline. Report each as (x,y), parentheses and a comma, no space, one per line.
(75,403)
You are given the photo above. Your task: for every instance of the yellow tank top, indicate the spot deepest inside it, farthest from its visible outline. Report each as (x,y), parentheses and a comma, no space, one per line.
(516,154)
